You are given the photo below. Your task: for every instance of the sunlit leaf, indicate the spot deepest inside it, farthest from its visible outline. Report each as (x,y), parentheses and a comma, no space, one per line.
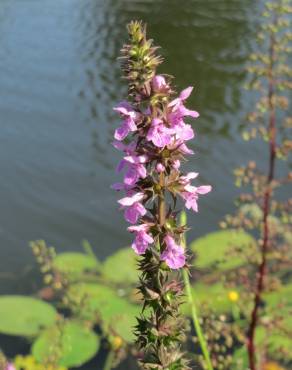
(74,263)
(213,250)
(25,316)
(121,267)
(67,344)
(115,312)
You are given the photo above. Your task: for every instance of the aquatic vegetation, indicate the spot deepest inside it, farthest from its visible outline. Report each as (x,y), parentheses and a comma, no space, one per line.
(262,211)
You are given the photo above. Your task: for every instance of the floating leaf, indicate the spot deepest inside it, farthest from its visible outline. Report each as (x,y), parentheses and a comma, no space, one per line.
(276,342)
(213,295)
(67,344)
(240,359)
(116,313)
(25,316)
(212,249)
(121,267)
(75,264)
(279,297)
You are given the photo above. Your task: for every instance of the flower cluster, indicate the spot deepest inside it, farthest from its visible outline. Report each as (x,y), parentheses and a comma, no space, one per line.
(158,135)
(153,137)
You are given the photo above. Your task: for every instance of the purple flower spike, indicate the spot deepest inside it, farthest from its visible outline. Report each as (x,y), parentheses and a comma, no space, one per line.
(173,255)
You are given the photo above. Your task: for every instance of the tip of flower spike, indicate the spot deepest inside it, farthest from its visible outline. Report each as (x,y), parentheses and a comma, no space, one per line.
(136,30)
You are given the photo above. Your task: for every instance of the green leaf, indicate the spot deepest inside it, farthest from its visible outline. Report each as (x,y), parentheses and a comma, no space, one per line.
(25,316)
(277,343)
(281,296)
(68,344)
(212,249)
(240,359)
(75,264)
(116,313)
(121,268)
(213,295)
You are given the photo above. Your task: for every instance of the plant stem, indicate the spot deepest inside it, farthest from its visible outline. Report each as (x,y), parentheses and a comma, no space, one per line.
(266,210)
(109,360)
(191,301)
(161,200)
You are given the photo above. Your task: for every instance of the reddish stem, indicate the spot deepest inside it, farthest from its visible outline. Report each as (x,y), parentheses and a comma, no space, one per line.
(266,210)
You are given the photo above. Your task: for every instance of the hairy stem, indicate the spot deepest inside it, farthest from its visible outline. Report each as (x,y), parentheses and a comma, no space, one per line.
(262,271)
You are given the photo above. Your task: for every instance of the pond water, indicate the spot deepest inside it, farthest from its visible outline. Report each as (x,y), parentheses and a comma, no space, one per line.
(59,80)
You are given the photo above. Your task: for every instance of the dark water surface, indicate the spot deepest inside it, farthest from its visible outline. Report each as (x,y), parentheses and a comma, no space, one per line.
(58,82)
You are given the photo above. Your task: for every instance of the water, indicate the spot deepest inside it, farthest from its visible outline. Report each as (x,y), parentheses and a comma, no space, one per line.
(59,79)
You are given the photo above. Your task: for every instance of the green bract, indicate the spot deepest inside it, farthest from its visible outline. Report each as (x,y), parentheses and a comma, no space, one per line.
(25,316)
(68,344)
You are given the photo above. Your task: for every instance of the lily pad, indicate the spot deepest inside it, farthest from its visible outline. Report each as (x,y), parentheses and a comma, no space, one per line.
(214,295)
(280,297)
(240,359)
(68,344)
(121,267)
(74,263)
(115,312)
(212,249)
(276,343)
(25,316)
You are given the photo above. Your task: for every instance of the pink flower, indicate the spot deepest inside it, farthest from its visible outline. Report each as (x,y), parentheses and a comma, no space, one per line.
(160,167)
(118,186)
(136,168)
(129,124)
(10,367)
(173,255)
(159,84)
(128,149)
(178,106)
(191,195)
(159,134)
(133,208)
(142,238)
(184,132)
(176,164)
(185,180)
(185,150)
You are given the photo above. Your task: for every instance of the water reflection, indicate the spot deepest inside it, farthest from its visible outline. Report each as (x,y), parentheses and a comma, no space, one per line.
(205,43)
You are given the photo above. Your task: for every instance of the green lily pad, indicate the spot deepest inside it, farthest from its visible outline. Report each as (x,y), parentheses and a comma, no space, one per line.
(68,344)
(25,316)
(115,312)
(281,296)
(213,295)
(121,267)
(276,343)
(240,359)
(212,249)
(75,264)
